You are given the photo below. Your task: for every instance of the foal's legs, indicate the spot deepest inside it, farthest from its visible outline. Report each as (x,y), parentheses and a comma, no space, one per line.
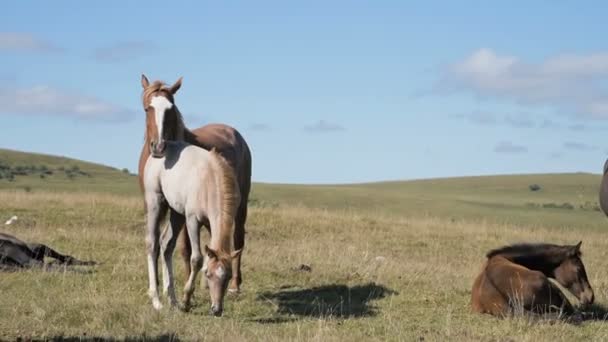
(156,211)
(204,283)
(196,259)
(167,247)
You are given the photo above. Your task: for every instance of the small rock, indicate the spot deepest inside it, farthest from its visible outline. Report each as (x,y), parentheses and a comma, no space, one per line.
(304,268)
(11,220)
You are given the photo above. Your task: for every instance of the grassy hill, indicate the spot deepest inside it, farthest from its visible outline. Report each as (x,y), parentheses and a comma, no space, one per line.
(564,200)
(387,261)
(40,172)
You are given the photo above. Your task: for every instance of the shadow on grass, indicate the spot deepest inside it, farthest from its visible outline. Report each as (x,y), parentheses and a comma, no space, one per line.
(159,338)
(328,301)
(595,312)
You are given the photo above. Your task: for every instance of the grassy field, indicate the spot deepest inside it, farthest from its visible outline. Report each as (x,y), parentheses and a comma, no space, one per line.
(388,261)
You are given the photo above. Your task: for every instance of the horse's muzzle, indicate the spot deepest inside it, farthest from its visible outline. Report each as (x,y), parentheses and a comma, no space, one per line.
(216,311)
(587,297)
(157,149)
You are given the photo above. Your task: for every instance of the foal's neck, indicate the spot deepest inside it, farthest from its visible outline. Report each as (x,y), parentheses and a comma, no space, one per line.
(222,240)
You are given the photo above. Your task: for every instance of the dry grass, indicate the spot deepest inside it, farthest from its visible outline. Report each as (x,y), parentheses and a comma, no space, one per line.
(374,276)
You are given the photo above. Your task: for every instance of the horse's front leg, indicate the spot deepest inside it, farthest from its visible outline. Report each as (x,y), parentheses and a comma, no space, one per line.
(156,211)
(167,247)
(196,259)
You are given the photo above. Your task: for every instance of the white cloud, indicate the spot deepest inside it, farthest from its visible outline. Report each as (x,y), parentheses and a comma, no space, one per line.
(509,147)
(486,118)
(578,146)
(45,100)
(258,126)
(572,84)
(25,42)
(123,51)
(322,126)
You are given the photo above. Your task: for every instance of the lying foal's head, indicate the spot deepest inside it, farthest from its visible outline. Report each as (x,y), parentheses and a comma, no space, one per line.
(572,275)
(218,273)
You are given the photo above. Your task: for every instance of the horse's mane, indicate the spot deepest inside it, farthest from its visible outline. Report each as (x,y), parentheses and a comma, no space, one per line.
(225,177)
(546,251)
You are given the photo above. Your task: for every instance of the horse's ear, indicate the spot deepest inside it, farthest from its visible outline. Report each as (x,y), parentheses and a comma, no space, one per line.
(210,253)
(236,253)
(144,81)
(175,87)
(576,249)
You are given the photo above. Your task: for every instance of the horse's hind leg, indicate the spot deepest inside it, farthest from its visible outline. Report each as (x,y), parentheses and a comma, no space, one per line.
(239,243)
(16,255)
(196,259)
(157,210)
(185,247)
(167,247)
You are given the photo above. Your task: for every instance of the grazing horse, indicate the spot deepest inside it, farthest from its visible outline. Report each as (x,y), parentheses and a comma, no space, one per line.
(604,190)
(200,188)
(164,122)
(15,253)
(517,277)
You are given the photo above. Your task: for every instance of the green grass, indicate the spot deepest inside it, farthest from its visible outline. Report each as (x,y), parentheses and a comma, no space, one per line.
(389,261)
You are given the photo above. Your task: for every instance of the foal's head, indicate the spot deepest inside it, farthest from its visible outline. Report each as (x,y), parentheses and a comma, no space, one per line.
(572,275)
(163,120)
(218,273)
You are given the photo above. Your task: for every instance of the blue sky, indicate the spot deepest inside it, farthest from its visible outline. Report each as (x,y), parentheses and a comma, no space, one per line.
(323,91)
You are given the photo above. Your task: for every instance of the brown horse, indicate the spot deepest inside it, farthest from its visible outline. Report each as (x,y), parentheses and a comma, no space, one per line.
(515,279)
(163,123)
(604,190)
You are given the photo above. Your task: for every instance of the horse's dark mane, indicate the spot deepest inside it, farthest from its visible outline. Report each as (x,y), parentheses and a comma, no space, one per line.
(540,251)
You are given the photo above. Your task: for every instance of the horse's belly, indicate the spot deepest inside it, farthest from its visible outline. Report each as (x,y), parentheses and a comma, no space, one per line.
(175,200)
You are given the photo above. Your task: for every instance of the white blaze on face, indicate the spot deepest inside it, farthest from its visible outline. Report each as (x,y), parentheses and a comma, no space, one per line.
(220,272)
(161,105)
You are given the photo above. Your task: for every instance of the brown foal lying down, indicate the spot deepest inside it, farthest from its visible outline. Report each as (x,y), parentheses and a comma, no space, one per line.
(515,279)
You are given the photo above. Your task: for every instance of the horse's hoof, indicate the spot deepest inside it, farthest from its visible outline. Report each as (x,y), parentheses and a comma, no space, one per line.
(234,292)
(185,307)
(174,305)
(156,304)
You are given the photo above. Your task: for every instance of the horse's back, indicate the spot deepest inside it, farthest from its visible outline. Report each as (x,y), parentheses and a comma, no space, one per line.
(231,145)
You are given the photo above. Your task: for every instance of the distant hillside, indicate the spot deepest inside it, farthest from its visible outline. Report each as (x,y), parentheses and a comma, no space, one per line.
(563,200)
(32,172)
